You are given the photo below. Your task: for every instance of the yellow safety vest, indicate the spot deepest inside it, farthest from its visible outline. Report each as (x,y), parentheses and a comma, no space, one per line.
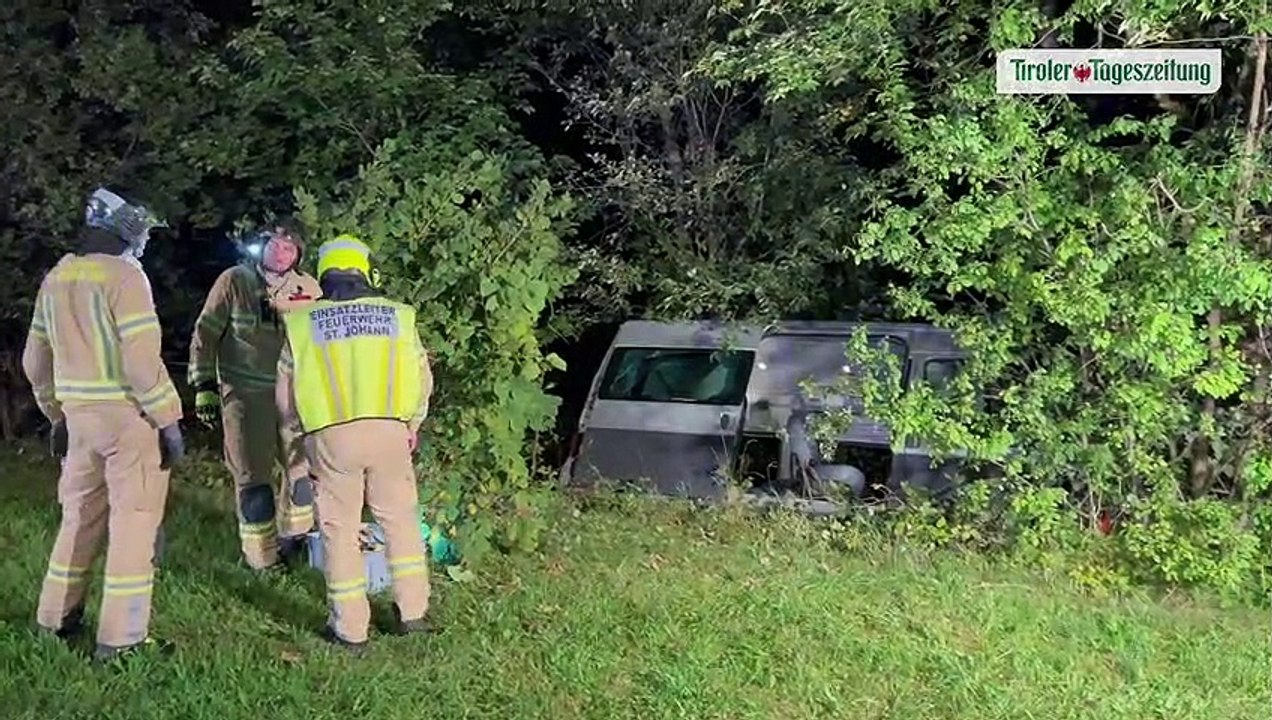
(354,360)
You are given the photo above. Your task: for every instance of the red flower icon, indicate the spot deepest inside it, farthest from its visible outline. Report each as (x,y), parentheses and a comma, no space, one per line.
(1082,73)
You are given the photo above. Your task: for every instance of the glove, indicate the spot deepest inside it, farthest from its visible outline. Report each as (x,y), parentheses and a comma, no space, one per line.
(207,407)
(58,439)
(171,446)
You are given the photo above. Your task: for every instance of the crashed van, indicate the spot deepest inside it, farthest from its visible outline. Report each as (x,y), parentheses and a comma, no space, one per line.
(688,409)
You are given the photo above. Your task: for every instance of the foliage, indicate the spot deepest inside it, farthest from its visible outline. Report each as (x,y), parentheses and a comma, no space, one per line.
(480,274)
(1105,261)
(84,100)
(453,204)
(1076,255)
(705,203)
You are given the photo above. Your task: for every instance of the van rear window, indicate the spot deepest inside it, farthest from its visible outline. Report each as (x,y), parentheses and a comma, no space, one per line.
(697,376)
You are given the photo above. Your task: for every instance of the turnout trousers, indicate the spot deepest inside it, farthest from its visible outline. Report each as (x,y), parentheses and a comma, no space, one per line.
(367,462)
(112,489)
(254,441)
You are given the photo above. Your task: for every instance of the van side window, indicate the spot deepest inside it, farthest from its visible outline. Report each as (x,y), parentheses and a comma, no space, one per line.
(705,377)
(939,373)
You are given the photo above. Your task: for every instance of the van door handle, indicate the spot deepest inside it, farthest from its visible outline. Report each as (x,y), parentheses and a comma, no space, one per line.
(726,421)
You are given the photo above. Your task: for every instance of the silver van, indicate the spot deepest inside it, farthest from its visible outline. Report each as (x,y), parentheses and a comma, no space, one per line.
(685,408)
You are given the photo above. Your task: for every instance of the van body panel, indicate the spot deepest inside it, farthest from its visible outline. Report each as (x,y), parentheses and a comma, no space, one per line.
(671,402)
(667,407)
(787,359)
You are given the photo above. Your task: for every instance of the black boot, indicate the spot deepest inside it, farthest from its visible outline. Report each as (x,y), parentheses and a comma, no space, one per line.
(268,570)
(72,625)
(421,625)
(331,636)
(150,646)
(291,550)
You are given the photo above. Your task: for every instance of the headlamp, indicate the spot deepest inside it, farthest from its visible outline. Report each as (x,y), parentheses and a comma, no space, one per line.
(251,245)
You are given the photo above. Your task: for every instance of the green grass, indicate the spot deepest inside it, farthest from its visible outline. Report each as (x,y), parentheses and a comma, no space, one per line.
(638,609)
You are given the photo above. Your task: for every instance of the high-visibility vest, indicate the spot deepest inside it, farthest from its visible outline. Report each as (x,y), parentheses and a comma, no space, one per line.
(354,360)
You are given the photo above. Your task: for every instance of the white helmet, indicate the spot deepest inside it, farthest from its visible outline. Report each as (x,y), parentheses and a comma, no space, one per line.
(132,223)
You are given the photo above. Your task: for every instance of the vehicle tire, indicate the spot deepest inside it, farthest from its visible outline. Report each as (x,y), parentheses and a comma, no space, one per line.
(841,477)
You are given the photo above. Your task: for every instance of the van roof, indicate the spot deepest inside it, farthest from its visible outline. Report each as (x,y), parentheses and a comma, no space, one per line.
(689,334)
(713,334)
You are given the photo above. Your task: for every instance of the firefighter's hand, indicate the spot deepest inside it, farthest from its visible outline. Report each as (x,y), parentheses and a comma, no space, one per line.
(171,446)
(413,442)
(58,439)
(207,407)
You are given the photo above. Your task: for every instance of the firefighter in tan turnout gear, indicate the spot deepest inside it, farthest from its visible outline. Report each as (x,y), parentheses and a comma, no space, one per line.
(354,378)
(233,360)
(92,358)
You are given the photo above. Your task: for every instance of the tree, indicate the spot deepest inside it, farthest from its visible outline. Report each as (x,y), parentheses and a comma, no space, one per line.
(1077,246)
(705,201)
(87,97)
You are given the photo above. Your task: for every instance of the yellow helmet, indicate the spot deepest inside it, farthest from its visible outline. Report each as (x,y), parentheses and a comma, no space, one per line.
(346,252)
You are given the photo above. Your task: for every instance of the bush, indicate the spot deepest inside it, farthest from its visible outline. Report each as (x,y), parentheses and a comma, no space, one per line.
(475,246)
(1202,543)
(1161,540)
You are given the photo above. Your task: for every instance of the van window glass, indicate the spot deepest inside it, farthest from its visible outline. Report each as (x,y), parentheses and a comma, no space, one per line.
(789,360)
(939,373)
(705,377)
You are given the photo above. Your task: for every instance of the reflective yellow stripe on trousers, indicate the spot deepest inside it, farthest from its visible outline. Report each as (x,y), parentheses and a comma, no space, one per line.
(346,590)
(408,566)
(66,574)
(125,585)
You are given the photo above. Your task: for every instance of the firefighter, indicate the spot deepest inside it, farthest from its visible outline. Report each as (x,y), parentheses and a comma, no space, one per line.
(233,358)
(354,378)
(92,358)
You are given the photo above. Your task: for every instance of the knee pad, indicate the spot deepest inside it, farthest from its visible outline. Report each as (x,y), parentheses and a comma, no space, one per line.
(302,491)
(256,502)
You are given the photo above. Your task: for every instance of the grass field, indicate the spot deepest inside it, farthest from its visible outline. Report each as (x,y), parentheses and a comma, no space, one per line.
(637,610)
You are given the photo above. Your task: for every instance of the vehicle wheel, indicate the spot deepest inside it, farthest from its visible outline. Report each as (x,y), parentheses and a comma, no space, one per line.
(841,477)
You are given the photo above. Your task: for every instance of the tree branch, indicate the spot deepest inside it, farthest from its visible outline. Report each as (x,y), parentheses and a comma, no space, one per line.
(1203,466)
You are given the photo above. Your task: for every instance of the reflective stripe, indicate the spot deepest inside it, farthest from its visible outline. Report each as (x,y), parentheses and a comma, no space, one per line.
(347,590)
(66,574)
(106,346)
(332,385)
(261,529)
(200,374)
(230,372)
(124,585)
(136,324)
(65,393)
(346,594)
(49,316)
(336,245)
(126,592)
(409,566)
(215,321)
(38,328)
(390,376)
(156,397)
(241,319)
(413,571)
